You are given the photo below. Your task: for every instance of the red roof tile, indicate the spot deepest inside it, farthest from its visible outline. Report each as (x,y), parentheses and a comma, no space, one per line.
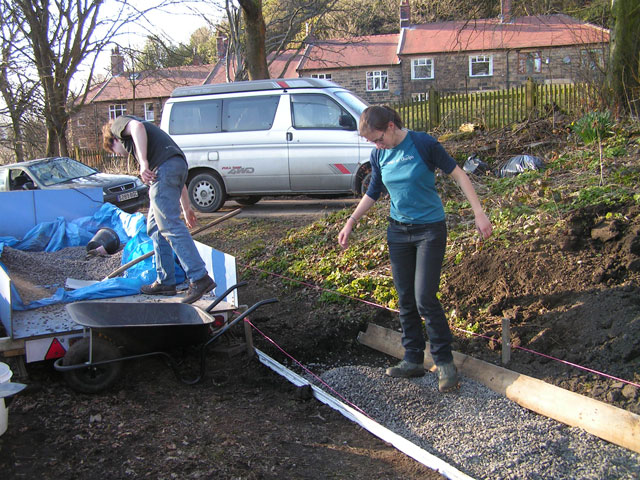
(491,34)
(156,84)
(362,51)
(275,67)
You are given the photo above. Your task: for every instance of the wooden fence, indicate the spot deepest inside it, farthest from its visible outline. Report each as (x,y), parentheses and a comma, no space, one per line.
(494,109)
(105,162)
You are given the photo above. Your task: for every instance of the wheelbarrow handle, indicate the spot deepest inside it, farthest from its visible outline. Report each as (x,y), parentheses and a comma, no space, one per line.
(219,298)
(203,348)
(240,317)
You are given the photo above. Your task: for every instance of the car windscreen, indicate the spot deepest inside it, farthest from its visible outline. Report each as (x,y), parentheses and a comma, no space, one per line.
(59,170)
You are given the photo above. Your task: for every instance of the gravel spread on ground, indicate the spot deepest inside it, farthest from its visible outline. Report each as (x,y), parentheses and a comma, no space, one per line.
(480,432)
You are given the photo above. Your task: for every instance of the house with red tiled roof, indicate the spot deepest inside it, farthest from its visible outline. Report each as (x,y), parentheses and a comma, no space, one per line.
(142,94)
(498,53)
(452,56)
(456,56)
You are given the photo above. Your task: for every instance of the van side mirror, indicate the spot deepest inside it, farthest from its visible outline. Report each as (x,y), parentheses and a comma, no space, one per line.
(347,122)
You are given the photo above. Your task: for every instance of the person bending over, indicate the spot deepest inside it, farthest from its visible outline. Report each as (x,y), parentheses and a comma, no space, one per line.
(163,167)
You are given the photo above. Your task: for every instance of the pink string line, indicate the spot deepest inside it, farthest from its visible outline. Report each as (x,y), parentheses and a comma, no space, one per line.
(306,369)
(606,375)
(580,367)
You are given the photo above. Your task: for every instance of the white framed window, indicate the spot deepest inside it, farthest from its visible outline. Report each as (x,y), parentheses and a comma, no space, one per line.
(421,68)
(149,112)
(377,80)
(323,76)
(481,65)
(117,110)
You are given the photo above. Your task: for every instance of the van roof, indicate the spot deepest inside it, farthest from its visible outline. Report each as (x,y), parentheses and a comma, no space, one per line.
(253,86)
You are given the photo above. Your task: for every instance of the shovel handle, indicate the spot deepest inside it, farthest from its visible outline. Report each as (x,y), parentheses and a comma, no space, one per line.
(130,264)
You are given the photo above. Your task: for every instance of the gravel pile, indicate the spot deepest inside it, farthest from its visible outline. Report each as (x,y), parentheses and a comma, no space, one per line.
(37,275)
(480,432)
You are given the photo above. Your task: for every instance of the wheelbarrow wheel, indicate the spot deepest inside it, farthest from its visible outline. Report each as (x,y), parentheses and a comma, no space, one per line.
(95,378)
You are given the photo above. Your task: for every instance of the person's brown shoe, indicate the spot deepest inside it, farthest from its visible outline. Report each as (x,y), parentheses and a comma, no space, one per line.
(198,288)
(157,288)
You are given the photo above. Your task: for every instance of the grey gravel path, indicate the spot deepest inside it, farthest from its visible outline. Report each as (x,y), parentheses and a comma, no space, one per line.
(480,432)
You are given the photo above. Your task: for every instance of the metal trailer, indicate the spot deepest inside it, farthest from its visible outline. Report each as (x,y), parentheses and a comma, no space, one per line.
(47,333)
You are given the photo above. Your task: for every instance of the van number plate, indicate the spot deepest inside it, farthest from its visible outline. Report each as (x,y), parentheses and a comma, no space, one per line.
(127,196)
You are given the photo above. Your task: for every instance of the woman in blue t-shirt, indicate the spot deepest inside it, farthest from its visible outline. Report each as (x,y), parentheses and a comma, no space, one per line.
(405,162)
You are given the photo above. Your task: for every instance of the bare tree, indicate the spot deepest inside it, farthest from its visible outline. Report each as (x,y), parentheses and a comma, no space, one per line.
(287,24)
(19,89)
(624,68)
(62,35)
(255,39)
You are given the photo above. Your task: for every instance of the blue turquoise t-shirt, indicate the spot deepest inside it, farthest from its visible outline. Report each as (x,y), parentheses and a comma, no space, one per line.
(408,173)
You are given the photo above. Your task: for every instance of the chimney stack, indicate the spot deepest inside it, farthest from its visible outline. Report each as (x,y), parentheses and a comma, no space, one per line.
(505,11)
(221,46)
(117,62)
(405,14)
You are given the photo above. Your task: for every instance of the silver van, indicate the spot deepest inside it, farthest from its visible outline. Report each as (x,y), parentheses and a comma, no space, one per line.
(245,140)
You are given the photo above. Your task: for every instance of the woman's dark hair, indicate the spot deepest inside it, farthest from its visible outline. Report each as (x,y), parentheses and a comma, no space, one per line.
(377,118)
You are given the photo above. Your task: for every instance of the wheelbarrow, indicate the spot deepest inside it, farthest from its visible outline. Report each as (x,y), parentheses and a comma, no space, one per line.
(117,331)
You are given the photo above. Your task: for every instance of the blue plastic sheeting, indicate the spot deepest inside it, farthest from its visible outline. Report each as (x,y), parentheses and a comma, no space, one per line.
(59,234)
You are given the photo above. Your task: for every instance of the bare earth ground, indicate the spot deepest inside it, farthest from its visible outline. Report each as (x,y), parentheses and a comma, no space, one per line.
(575,297)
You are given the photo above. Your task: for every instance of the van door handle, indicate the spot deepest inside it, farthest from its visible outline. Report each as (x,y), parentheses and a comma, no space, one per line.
(289,136)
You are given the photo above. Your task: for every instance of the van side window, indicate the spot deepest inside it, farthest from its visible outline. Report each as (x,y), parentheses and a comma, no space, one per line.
(249,113)
(189,118)
(316,111)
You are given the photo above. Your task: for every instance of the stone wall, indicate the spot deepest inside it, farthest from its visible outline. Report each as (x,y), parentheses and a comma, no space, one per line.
(557,65)
(85,127)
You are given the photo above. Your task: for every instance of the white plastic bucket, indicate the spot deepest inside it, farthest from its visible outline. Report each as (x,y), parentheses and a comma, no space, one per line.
(5,377)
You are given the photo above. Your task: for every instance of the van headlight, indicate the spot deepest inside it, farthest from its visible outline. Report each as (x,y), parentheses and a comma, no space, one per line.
(139,182)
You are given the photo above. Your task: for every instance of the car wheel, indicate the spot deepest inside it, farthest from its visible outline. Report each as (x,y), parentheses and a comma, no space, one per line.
(250,200)
(96,378)
(206,192)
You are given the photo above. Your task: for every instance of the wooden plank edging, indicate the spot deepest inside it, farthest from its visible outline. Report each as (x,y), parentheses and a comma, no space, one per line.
(610,423)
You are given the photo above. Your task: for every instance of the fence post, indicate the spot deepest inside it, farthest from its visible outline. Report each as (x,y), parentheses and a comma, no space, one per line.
(434,108)
(530,95)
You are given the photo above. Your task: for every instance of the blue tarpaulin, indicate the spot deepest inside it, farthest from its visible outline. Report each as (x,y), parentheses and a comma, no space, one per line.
(59,234)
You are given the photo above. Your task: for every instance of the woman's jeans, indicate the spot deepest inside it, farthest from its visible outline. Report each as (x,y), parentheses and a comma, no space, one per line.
(416,253)
(165,227)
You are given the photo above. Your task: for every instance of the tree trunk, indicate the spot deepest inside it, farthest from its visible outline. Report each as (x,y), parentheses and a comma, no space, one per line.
(624,59)
(255,39)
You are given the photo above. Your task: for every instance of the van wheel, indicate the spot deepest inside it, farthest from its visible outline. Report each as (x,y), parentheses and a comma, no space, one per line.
(250,200)
(206,192)
(364,177)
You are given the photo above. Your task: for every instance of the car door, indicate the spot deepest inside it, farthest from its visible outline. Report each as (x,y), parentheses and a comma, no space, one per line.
(255,159)
(323,144)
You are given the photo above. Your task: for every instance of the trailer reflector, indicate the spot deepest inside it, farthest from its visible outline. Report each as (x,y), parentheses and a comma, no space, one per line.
(48,348)
(56,350)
